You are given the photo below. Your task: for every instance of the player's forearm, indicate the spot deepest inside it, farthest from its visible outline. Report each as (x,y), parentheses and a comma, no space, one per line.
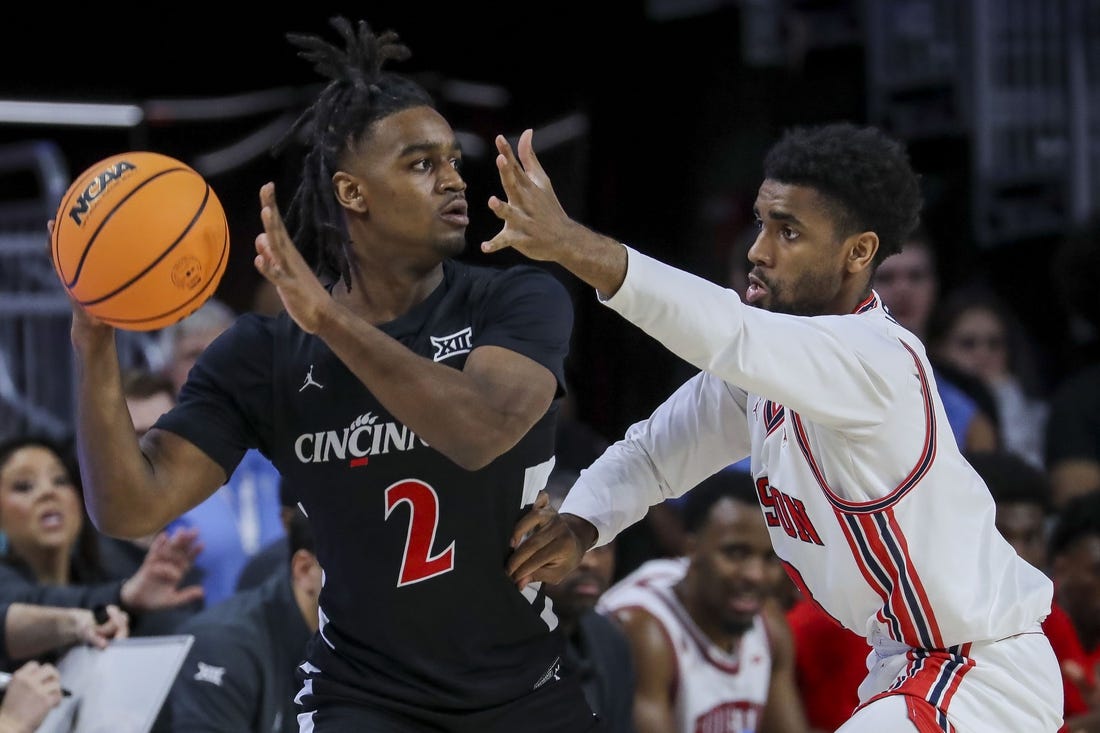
(117,480)
(444,406)
(597,260)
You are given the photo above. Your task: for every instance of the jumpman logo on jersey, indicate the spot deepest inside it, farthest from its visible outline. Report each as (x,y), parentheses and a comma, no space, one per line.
(310,382)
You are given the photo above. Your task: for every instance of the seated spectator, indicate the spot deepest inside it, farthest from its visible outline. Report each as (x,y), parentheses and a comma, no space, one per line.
(976,333)
(908,283)
(32,631)
(1022,494)
(50,549)
(34,690)
(1072,444)
(244,515)
(710,645)
(1074,552)
(274,557)
(239,673)
(1072,439)
(596,649)
(830,663)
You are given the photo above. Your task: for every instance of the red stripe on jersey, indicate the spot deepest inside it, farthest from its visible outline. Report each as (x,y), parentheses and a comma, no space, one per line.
(926,611)
(899,609)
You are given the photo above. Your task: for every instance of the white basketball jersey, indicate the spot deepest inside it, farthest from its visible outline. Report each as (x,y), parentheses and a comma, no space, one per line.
(716,691)
(870,504)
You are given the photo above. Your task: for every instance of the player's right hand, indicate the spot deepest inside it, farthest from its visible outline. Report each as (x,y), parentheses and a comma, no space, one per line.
(34,690)
(548,546)
(85,326)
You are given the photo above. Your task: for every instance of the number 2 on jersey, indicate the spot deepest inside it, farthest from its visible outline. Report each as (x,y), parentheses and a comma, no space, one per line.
(417,562)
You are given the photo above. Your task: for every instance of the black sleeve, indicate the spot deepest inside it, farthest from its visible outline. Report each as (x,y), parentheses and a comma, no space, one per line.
(219,685)
(14,588)
(530,312)
(228,394)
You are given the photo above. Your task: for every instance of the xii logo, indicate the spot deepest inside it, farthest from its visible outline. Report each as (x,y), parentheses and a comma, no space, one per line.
(459,342)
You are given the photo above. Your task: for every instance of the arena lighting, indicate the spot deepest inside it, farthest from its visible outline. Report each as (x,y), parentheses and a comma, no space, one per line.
(70,113)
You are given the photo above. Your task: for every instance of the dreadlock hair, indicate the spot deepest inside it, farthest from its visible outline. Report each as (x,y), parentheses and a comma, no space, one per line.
(864,176)
(358,94)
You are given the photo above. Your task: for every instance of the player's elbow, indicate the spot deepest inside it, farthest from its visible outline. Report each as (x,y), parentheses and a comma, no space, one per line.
(121,524)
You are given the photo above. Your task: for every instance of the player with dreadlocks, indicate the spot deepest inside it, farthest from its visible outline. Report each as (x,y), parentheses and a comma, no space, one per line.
(410,396)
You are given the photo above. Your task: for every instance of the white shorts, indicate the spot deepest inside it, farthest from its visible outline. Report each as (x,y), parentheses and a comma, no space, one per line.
(994,687)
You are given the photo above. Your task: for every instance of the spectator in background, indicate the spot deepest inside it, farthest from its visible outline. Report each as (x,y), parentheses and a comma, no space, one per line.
(239,673)
(975,332)
(908,284)
(711,647)
(244,515)
(1072,441)
(596,650)
(1022,494)
(274,557)
(34,690)
(51,553)
(31,631)
(185,340)
(1074,552)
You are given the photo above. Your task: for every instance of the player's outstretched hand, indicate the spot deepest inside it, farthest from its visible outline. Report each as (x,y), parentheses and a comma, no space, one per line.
(534,221)
(278,260)
(547,545)
(536,225)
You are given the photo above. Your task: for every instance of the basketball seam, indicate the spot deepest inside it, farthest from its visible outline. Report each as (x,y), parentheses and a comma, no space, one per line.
(91,240)
(159,259)
(208,288)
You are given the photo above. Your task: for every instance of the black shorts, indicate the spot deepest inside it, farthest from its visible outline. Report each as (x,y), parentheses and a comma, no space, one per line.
(558,706)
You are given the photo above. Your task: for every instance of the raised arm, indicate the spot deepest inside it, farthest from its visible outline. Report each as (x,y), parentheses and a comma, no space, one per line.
(536,225)
(502,393)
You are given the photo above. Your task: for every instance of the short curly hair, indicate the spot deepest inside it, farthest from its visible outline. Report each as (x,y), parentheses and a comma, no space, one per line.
(865,175)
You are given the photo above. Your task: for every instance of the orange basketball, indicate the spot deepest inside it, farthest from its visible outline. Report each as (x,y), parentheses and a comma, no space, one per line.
(140,240)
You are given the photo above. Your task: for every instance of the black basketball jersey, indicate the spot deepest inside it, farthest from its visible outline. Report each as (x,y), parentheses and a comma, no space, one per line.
(416,605)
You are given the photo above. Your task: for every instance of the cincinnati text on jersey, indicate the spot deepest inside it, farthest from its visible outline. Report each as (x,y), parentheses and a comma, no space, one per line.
(364,437)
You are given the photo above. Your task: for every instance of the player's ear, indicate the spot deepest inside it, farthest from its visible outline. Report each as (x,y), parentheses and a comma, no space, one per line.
(861,251)
(349,192)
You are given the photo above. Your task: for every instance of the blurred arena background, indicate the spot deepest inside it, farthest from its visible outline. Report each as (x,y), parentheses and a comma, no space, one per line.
(652,117)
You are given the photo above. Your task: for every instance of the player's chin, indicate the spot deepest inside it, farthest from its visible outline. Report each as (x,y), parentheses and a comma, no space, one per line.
(452,244)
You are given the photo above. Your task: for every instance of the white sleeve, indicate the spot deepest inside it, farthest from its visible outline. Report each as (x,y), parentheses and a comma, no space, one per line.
(831,369)
(700,429)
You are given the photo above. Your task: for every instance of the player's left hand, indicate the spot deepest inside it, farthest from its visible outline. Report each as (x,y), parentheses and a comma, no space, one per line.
(278,260)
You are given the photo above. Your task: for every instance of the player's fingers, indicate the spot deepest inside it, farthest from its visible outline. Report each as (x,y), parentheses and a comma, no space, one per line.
(511,172)
(544,565)
(527,524)
(530,161)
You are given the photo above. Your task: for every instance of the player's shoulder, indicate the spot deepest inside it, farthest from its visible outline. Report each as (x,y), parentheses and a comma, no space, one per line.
(495,277)
(642,584)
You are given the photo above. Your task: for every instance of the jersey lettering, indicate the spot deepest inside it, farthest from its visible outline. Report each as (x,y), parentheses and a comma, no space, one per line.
(417,562)
(782,510)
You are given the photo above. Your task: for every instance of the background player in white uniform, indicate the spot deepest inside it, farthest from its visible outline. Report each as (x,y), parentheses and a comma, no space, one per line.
(871,506)
(713,650)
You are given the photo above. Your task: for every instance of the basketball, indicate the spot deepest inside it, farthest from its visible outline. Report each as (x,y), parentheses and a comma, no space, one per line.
(140,240)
